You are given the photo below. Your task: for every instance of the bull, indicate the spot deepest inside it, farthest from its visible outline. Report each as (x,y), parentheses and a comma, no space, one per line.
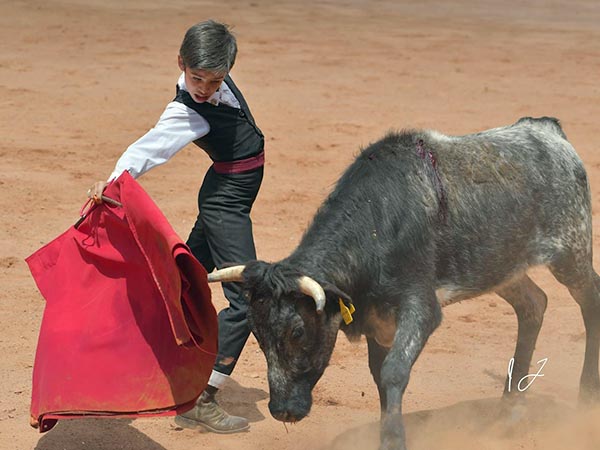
(421,220)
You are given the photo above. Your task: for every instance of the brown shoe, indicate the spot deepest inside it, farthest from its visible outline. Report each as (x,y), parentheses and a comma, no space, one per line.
(210,416)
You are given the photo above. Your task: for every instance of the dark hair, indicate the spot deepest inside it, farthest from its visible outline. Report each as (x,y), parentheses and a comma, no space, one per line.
(210,46)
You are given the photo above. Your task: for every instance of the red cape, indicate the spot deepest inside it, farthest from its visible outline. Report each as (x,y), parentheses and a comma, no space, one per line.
(129,328)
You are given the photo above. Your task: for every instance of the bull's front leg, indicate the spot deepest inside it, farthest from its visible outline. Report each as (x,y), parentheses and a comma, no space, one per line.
(377,354)
(417,317)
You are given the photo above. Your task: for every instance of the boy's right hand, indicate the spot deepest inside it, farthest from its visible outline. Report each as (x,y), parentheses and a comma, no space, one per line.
(95,192)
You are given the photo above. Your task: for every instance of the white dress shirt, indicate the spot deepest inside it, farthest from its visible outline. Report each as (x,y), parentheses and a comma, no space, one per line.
(177,127)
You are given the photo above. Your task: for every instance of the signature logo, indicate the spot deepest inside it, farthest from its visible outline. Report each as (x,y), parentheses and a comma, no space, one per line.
(528,378)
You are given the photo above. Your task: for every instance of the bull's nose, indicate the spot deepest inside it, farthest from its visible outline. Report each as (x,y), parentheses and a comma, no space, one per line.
(285,416)
(287,412)
(291,408)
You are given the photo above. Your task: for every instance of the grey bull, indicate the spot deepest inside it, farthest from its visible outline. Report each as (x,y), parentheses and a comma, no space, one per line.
(420,220)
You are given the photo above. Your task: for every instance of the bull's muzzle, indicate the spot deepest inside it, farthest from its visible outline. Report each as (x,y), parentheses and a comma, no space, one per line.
(287,414)
(292,403)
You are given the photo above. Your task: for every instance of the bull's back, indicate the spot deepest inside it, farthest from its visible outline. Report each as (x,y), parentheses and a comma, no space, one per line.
(516,197)
(468,211)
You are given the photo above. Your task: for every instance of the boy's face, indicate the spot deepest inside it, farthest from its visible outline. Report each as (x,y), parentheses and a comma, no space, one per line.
(201,84)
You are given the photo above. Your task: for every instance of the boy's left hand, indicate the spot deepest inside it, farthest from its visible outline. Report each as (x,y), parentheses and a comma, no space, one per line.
(95,192)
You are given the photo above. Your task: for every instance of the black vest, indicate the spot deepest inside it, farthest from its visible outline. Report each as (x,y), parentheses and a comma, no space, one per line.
(233,134)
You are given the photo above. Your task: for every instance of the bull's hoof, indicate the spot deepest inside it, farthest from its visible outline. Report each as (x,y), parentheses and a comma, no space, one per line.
(393,439)
(392,445)
(516,414)
(589,398)
(513,409)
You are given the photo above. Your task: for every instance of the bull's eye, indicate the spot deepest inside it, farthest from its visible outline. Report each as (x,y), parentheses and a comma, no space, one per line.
(297,332)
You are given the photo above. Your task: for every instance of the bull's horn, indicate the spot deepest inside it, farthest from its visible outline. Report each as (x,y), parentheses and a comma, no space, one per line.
(227,274)
(310,287)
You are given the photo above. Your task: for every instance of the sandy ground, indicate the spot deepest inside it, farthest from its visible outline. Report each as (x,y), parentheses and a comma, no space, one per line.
(80,80)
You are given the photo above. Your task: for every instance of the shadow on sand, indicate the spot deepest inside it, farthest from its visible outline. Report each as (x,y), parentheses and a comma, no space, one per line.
(241,401)
(119,434)
(96,434)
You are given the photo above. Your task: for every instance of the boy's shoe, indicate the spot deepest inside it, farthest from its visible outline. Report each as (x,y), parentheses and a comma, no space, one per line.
(210,416)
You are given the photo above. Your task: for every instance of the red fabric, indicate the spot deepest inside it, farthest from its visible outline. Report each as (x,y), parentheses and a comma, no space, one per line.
(129,328)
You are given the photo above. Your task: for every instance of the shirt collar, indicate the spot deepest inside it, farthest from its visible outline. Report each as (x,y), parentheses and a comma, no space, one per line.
(214,99)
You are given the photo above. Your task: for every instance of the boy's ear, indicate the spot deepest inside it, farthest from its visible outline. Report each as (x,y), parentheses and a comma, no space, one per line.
(180,63)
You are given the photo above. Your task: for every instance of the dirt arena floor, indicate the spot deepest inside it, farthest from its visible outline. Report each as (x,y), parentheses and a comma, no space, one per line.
(80,80)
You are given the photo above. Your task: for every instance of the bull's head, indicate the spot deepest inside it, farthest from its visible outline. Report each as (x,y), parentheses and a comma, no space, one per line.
(295,321)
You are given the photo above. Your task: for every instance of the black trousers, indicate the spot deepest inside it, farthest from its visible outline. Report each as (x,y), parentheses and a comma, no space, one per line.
(222,235)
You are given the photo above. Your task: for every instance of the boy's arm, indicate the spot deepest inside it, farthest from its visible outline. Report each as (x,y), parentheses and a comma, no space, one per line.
(177,127)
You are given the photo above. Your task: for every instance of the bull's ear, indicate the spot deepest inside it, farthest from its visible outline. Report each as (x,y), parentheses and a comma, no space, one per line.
(340,302)
(334,294)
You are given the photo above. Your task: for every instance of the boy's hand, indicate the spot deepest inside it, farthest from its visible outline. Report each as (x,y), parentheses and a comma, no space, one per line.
(95,192)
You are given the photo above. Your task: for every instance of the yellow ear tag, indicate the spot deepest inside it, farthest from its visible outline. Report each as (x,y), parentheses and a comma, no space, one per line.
(346,312)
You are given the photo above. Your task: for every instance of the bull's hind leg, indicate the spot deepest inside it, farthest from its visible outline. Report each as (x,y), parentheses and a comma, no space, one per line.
(578,275)
(529,303)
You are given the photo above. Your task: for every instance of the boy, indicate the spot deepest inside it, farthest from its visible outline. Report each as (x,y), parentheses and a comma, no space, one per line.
(210,111)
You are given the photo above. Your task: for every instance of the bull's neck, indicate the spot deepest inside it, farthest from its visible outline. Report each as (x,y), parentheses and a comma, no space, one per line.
(327,259)
(338,245)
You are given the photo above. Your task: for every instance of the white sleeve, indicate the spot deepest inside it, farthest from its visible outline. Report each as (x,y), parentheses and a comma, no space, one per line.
(178,126)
